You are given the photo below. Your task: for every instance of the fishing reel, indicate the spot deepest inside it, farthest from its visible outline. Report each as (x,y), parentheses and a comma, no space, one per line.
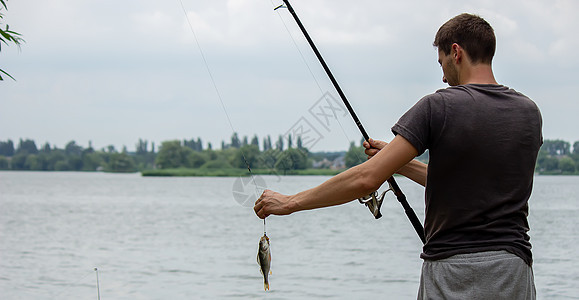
(374,201)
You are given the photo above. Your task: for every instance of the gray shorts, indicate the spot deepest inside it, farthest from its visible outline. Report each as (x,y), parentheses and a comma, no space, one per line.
(482,275)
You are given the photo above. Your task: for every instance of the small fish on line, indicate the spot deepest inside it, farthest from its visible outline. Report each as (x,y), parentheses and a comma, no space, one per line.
(264,260)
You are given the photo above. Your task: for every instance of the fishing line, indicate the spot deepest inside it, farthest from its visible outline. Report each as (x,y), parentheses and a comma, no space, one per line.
(98,285)
(219,97)
(276,7)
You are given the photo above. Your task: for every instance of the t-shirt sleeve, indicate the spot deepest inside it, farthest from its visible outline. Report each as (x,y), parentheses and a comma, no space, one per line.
(414,125)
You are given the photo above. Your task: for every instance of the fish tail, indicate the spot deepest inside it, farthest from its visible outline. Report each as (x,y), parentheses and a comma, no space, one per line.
(266,286)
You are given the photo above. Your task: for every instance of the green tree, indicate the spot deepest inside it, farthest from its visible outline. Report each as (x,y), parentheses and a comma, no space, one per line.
(255,141)
(354,156)
(92,161)
(56,161)
(266,143)
(235,142)
(46,148)
(196,159)
(575,155)
(61,165)
(195,145)
(75,162)
(33,162)
(4,164)
(247,154)
(7,36)
(121,162)
(73,149)
(556,147)
(111,149)
(292,159)
(141,147)
(279,143)
(267,159)
(300,143)
(18,161)
(73,154)
(172,155)
(550,164)
(27,147)
(43,161)
(566,165)
(7,148)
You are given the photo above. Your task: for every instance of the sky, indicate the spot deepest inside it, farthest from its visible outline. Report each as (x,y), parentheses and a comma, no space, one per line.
(113,72)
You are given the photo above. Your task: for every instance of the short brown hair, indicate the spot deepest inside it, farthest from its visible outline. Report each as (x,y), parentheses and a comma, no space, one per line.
(472,33)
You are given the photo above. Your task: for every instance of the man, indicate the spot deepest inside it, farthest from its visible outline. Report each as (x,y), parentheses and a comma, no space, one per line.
(483,139)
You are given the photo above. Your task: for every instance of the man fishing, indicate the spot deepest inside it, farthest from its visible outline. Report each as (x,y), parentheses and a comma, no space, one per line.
(483,139)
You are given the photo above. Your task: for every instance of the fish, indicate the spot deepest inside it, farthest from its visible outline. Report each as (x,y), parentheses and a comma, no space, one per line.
(264,260)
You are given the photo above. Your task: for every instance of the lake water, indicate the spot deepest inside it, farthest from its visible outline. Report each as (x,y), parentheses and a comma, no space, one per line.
(190,238)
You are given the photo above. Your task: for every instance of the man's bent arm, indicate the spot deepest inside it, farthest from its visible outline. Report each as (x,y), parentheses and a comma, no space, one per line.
(415,170)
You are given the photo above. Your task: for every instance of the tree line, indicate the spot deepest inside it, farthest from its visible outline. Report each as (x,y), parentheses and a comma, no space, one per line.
(281,155)
(73,157)
(556,157)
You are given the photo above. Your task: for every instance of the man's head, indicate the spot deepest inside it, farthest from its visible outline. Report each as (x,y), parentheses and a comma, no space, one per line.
(464,42)
(472,33)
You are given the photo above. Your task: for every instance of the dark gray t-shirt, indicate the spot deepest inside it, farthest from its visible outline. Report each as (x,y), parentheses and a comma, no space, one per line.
(483,142)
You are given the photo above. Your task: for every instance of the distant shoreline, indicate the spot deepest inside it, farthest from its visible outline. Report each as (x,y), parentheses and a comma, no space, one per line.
(234,172)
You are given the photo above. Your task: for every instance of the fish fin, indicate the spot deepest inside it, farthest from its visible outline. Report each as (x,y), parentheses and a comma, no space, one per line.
(270,272)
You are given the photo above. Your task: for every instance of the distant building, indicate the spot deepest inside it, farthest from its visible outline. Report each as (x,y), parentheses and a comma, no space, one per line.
(336,164)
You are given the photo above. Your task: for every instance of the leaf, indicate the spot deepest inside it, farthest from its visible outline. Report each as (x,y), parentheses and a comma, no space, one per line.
(2,71)
(10,36)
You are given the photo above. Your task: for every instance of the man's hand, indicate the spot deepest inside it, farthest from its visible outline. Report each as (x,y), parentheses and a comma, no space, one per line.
(272,203)
(373,147)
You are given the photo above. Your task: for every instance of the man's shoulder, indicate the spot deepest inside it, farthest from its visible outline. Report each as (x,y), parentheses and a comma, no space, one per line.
(479,90)
(449,92)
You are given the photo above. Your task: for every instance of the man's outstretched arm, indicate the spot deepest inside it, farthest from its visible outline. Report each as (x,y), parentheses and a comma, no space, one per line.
(349,185)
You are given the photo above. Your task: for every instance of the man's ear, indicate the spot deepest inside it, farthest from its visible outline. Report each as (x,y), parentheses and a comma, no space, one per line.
(457,52)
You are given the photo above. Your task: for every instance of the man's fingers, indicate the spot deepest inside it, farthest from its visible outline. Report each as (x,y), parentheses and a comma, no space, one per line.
(371,152)
(260,204)
(366,145)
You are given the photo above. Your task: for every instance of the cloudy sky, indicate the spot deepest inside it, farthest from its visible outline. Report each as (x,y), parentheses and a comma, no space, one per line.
(112,72)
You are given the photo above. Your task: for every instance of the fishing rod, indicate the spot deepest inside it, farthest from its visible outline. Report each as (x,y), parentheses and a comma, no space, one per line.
(372,201)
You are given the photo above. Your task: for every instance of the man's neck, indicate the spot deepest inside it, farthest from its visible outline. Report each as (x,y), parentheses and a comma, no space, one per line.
(478,74)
